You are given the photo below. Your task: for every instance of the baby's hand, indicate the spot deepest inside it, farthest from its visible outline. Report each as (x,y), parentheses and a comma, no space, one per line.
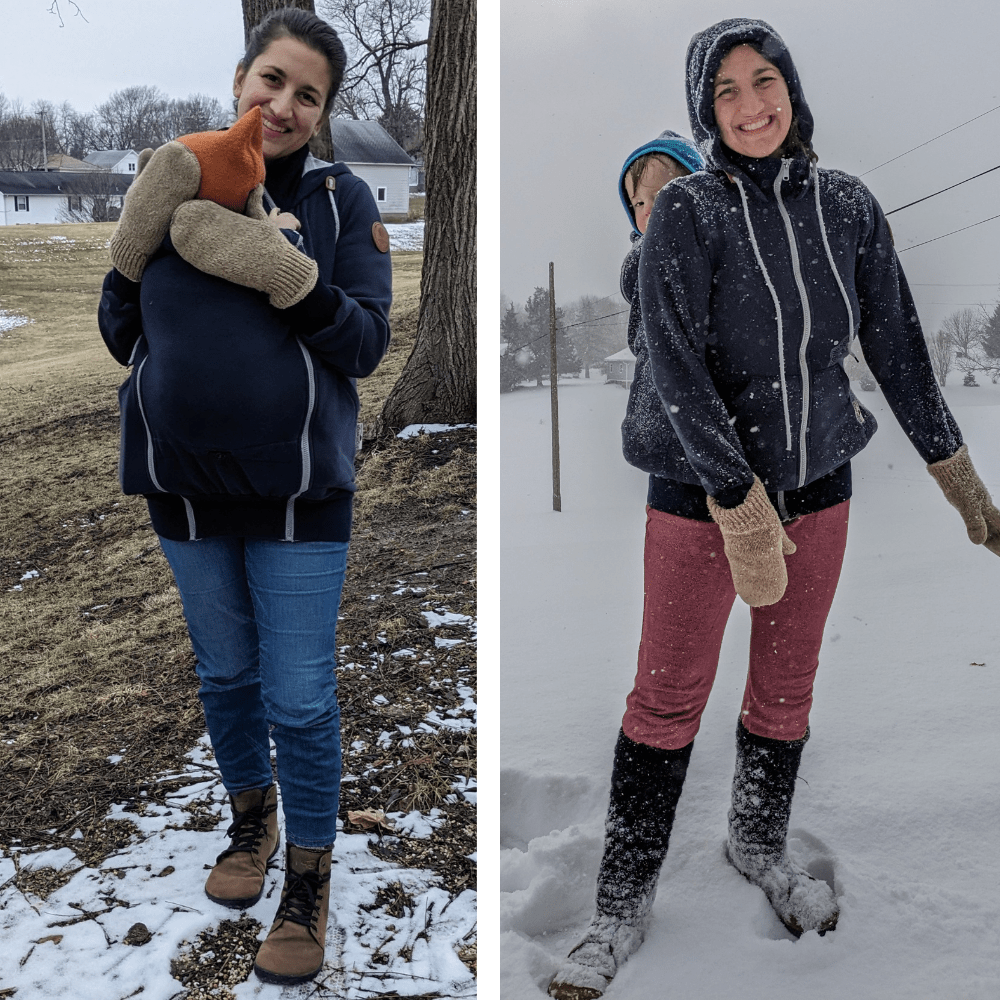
(283,220)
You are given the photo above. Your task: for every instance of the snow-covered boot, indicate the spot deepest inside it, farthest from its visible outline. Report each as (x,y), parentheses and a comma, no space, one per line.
(646,783)
(758,824)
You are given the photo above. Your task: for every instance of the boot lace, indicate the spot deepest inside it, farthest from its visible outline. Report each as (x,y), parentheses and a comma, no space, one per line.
(247,830)
(300,901)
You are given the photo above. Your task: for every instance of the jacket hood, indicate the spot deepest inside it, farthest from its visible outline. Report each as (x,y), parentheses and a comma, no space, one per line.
(706,51)
(671,144)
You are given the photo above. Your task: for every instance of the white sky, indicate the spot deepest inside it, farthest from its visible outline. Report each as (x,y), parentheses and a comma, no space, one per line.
(583,83)
(181,46)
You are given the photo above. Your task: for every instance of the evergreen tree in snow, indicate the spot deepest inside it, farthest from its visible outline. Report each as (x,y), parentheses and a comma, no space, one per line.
(536,322)
(990,336)
(511,347)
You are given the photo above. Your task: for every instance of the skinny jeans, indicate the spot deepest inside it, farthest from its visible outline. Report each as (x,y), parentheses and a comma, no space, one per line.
(689,594)
(262,615)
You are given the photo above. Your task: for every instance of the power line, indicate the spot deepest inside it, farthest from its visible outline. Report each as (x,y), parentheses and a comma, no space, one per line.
(969,122)
(942,191)
(952,233)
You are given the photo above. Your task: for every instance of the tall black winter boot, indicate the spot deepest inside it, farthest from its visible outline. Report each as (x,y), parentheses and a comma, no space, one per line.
(645,786)
(758,824)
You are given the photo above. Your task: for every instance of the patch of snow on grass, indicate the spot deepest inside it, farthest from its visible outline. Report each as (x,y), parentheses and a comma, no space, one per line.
(406,235)
(412,430)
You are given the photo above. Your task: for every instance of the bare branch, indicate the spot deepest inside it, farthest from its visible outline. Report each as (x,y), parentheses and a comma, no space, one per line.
(54,9)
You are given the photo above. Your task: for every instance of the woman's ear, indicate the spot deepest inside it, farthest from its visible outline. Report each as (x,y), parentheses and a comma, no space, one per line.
(241,75)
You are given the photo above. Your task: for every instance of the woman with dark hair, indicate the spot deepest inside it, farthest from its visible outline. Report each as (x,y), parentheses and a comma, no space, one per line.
(755,276)
(239,427)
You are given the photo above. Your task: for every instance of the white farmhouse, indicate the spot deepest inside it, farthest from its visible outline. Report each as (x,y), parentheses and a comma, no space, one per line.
(34,196)
(375,157)
(118,161)
(620,368)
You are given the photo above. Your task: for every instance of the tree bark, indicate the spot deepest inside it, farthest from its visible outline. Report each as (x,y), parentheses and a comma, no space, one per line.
(438,383)
(254,11)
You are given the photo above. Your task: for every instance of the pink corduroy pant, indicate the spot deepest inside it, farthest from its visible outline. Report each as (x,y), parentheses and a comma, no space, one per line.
(689,595)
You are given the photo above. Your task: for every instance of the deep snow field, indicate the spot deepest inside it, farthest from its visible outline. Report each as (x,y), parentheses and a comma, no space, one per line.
(899,802)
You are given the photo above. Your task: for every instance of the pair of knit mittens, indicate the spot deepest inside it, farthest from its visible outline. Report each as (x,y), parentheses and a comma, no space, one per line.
(207,189)
(756,543)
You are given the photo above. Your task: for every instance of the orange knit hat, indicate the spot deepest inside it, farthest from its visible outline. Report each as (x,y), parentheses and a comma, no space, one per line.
(232,161)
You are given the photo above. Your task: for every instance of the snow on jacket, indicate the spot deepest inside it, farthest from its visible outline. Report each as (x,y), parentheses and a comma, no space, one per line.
(646,425)
(230,398)
(668,143)
(754,277)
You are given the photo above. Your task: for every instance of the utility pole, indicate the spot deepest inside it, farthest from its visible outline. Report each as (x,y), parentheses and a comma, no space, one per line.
(554,389)
(45,155)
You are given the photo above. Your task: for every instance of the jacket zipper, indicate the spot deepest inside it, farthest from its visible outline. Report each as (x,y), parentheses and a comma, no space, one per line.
(150,467)
(303,446)
(783,175)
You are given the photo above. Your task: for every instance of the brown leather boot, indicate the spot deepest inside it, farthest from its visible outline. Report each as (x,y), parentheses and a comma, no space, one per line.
(237,879)
(293,950)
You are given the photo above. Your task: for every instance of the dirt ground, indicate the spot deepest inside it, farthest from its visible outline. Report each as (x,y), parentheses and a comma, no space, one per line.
(95,664)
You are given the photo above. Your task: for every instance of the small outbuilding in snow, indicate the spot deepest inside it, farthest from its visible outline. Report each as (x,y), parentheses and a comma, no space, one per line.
(620,368)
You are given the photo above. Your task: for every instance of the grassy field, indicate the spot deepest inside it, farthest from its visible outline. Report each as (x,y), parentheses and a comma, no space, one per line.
(96,667)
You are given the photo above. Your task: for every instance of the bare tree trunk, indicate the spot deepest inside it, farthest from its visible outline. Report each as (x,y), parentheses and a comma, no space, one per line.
(254,11)
(438,382)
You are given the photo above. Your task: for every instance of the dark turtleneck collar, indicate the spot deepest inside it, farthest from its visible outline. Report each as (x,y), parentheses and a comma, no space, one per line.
(762,171)
(283,176)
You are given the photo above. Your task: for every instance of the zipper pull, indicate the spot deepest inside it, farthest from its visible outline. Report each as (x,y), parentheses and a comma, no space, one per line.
(785,169)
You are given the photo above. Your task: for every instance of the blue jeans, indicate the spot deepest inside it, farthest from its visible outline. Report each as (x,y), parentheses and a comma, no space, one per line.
(262,616)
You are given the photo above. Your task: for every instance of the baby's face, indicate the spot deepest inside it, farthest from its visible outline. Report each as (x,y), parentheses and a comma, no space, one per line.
(659,172)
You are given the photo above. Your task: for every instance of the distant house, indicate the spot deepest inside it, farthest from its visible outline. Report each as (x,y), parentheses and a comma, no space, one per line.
(620,368)
(63,162)
(375,157)
(118,161)
(35,196)
(417,177)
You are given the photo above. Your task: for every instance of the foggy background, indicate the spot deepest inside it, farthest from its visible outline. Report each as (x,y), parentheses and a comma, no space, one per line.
(583,83)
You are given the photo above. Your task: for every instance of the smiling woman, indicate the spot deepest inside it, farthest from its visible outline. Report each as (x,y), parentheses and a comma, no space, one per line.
(755,276)
(239,428)
(291,83)
(752,106)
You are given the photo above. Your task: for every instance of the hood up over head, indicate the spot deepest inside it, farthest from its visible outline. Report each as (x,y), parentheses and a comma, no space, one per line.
(706,51)
(669,143)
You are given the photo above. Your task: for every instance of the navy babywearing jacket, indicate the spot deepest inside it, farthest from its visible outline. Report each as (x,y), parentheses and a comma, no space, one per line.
(749,370)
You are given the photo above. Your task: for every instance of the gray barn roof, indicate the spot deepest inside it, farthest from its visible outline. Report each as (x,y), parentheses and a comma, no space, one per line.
(62,182)
(107,158)
(365,142)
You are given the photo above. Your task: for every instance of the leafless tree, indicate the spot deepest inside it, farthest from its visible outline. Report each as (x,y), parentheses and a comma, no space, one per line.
(439,380)
(95,196)
(197,113)
(964,332)
(386,69)
(132,118)
(942,352)
(20,137)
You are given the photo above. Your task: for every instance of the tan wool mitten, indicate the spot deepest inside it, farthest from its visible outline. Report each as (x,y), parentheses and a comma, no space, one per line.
(248,252)
(965,491)
(755,545)
(169,177)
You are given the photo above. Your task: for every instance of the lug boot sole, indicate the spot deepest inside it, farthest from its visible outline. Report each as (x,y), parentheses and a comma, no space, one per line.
(266,976)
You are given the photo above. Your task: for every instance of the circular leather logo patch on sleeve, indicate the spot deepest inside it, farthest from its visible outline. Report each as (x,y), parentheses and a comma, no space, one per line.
(380,237)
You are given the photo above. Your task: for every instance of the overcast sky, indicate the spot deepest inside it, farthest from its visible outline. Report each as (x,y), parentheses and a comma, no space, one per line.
(585,82)
(181,46)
